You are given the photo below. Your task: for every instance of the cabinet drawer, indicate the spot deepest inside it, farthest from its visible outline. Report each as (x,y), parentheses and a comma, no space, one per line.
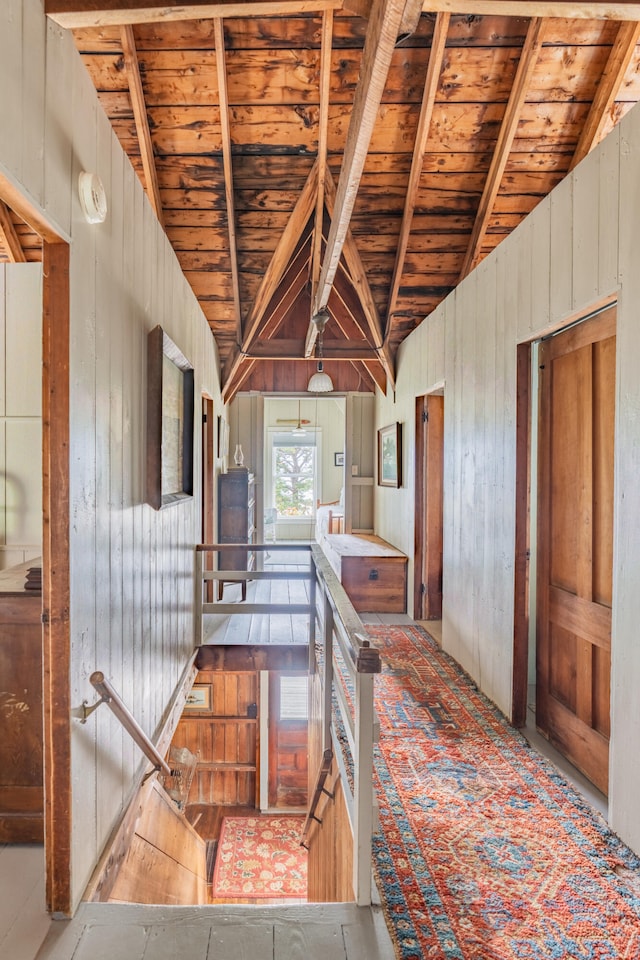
(376,584)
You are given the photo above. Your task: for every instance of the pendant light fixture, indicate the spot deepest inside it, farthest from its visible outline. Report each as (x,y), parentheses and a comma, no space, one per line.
(320,382)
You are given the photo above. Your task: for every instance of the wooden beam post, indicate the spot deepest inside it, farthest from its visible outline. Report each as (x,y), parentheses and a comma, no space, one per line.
(134,79)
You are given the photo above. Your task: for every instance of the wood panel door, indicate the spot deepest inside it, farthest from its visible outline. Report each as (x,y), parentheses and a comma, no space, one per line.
(427,603)
(575,536)
(288,740)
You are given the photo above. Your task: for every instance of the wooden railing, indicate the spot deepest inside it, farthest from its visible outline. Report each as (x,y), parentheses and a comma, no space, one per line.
(347,664)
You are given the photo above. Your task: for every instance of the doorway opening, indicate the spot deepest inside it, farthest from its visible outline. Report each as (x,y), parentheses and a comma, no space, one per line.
(429,506)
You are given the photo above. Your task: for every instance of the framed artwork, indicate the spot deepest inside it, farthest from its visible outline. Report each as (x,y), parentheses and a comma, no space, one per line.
(170,418)
(199,699)
(338,459)
(390,456)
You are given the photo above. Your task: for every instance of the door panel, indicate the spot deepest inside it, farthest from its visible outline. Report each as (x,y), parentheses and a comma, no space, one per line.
(428,507)
(575,535)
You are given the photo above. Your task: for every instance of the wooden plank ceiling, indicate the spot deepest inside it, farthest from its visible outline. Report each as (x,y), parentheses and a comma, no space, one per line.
(358,156)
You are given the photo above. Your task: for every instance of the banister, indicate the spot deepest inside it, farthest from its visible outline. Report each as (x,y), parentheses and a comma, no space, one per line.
(109,696)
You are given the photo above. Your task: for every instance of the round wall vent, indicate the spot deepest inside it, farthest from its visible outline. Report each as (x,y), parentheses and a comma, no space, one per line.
(92,197)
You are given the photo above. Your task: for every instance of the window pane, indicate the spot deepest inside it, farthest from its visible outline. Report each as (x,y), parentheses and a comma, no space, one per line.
(294,474)
(293,698)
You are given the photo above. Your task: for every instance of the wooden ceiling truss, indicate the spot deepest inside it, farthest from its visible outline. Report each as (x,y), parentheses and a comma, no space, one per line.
(359,156)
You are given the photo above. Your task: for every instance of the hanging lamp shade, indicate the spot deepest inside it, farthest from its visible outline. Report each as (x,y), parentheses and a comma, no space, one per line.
(320,382)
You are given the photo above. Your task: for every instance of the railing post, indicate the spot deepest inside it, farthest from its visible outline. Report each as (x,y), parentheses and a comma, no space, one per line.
(312,614)
(327,671)
(363,790)
(198,598)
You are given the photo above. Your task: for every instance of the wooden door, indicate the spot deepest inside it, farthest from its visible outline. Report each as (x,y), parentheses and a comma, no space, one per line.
(288,741)
(427,603)
(575,536)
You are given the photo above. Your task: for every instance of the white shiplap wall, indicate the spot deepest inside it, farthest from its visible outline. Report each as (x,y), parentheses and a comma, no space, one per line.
(131,567)
(579,247)
(20,413)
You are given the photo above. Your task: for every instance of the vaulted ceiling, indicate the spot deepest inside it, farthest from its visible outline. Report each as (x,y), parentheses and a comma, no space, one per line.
(351,155)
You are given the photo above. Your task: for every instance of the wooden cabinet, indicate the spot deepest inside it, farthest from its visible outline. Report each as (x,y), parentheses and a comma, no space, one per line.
(21,789)
(373,573)
(236,521)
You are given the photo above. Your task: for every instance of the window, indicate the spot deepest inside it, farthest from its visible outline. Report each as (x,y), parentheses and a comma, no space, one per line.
(294,698)
(293,459)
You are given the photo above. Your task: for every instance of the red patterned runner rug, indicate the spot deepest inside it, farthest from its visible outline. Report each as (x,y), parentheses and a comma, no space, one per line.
(260,857)
(485,852)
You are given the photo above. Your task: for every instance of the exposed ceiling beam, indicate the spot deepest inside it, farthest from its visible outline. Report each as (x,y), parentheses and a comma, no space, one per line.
(79,14)
(273,274)
(291,350)
(565,9)
(372,374)
(380,40)
(292,284)
(619,59)
(526,66)
(75,14)
(360,283)
(9,239)
(242,376)
(132,67)
(323,124)
(422,135)
(223,100)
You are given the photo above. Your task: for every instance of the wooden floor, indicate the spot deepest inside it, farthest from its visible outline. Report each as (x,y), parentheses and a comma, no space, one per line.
(24,921)
(104,931)
(264,628)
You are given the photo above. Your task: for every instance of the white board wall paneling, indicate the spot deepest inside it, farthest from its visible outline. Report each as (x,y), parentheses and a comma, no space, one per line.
(608,154)
(58,125)
(88,742)
(132,414)
(586,189)
(23,492)
(486,418)
(3,497)
(33,102)
(561,262)
(108,453)
(624,768)
(11,114)
(540,266)
(522,277)
(3,336)
(23,306)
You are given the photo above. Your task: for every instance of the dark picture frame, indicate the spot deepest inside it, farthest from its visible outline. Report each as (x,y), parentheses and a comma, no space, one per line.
(338,459)
(390,456)
(170,420)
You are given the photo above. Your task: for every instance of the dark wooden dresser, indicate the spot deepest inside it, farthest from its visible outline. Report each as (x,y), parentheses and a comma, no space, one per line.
(236,521)
(21,781)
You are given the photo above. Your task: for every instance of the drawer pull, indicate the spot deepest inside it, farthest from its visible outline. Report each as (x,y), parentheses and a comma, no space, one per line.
(373,574)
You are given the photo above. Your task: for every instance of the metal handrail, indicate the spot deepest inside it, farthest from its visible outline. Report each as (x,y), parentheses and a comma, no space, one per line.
(109,696)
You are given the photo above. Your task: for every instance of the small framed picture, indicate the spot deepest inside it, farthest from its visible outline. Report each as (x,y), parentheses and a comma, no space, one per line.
(390,456)
(338,459)
(199,699)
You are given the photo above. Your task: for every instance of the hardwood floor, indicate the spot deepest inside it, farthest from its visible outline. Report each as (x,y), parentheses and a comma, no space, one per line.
(264,628)
(24,921)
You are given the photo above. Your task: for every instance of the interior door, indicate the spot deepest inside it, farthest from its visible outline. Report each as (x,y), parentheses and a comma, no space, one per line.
(288,739)
(575,537)
(427,603)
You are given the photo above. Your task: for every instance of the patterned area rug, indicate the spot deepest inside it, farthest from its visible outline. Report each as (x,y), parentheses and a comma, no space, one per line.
(261,857)
(485,852)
